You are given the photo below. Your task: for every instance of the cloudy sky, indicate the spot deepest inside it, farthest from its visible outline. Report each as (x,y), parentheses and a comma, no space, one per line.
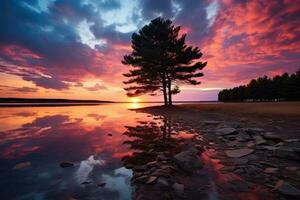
(73,49)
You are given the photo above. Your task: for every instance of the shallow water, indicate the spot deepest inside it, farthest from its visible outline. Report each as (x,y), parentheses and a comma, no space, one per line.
(43,137)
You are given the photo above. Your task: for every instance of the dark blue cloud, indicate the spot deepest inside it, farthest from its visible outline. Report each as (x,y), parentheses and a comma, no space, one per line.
(48,83)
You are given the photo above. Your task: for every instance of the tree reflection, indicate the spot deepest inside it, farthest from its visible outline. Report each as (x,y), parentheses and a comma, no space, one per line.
(148,139)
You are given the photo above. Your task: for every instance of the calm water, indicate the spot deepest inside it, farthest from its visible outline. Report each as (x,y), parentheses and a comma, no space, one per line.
(40,138)
(100,140)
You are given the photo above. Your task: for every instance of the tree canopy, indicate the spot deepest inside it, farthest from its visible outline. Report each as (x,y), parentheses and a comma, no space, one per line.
(161,61)
(282,87)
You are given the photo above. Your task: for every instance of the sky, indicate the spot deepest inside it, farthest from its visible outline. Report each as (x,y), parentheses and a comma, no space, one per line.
(73,49)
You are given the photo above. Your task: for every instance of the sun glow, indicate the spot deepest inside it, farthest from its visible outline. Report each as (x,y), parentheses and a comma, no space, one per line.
(134,100)
(134,103)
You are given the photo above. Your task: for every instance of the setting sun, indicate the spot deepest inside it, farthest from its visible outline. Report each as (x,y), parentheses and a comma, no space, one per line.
(135,100)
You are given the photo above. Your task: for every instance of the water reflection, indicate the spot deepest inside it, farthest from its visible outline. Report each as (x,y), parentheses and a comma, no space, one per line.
(89,136)
(148,139)
(109,146)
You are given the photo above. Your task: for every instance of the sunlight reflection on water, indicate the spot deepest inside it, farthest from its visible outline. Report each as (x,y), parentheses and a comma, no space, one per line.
(89,136)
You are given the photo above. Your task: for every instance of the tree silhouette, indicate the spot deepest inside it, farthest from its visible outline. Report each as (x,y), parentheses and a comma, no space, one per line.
(284,87)
(161,61)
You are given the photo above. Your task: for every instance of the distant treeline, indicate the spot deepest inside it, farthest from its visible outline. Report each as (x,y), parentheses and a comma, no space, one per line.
(283,87)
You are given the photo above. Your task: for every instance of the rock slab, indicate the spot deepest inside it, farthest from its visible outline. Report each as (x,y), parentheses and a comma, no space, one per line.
(237,153)
(225,131)
(286,189)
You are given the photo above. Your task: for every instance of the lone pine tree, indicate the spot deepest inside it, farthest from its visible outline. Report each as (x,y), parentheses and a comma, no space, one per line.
(161,60)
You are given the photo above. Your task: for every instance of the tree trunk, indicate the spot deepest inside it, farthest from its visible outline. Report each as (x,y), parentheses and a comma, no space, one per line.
(165,90)
(169,92)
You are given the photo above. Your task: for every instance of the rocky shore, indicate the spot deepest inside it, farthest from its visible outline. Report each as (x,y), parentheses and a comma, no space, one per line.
(248,161)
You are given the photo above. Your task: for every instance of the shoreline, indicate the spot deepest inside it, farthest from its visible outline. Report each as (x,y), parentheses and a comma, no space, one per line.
(261,149)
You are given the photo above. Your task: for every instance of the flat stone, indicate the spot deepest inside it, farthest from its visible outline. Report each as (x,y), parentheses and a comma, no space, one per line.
(238,185)
(22,165)
(267,147)
(151,164)
(227,169)
(237,153)
(259,140)
(162,182)
(287,153)
(140,179)
(188,160)
(271,170)
(232,143)
(66,164)
(161,157)
(211,122)
(271,136)
(101,184)
(226,131)
(151,180)
(295,145)
(242,137)
(292,168)
(178,188)
(140,168)
(253,131)
(241,161)
(286,189)
(269,164)
(252,157)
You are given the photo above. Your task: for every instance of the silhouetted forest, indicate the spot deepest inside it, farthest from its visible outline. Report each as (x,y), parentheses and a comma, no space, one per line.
(283,87)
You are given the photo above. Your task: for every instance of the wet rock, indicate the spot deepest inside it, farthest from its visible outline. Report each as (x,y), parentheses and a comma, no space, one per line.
(226,131)
(162,157)
(66,164)
(101,184)
(237,153)
(238,185)
(178,188)
(286,189)
(151,180)
(232,143)
(85,182)
(251,157)
(227,169)
(287,153)
(140,179)
(211,122)
(268,147)
(140,168)
(292,168)
(271,170)
(22,165)
(253,131)
(272,136)
(128,166)
(162,182)
(151,164)
(188,160)
(269,164)
(241,161)
(259,139)
(239,171)
(253,170)
(242,137)
(295,145)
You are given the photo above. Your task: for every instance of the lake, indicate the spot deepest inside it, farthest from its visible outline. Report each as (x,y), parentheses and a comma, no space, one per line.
(35,140)
(102,144)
